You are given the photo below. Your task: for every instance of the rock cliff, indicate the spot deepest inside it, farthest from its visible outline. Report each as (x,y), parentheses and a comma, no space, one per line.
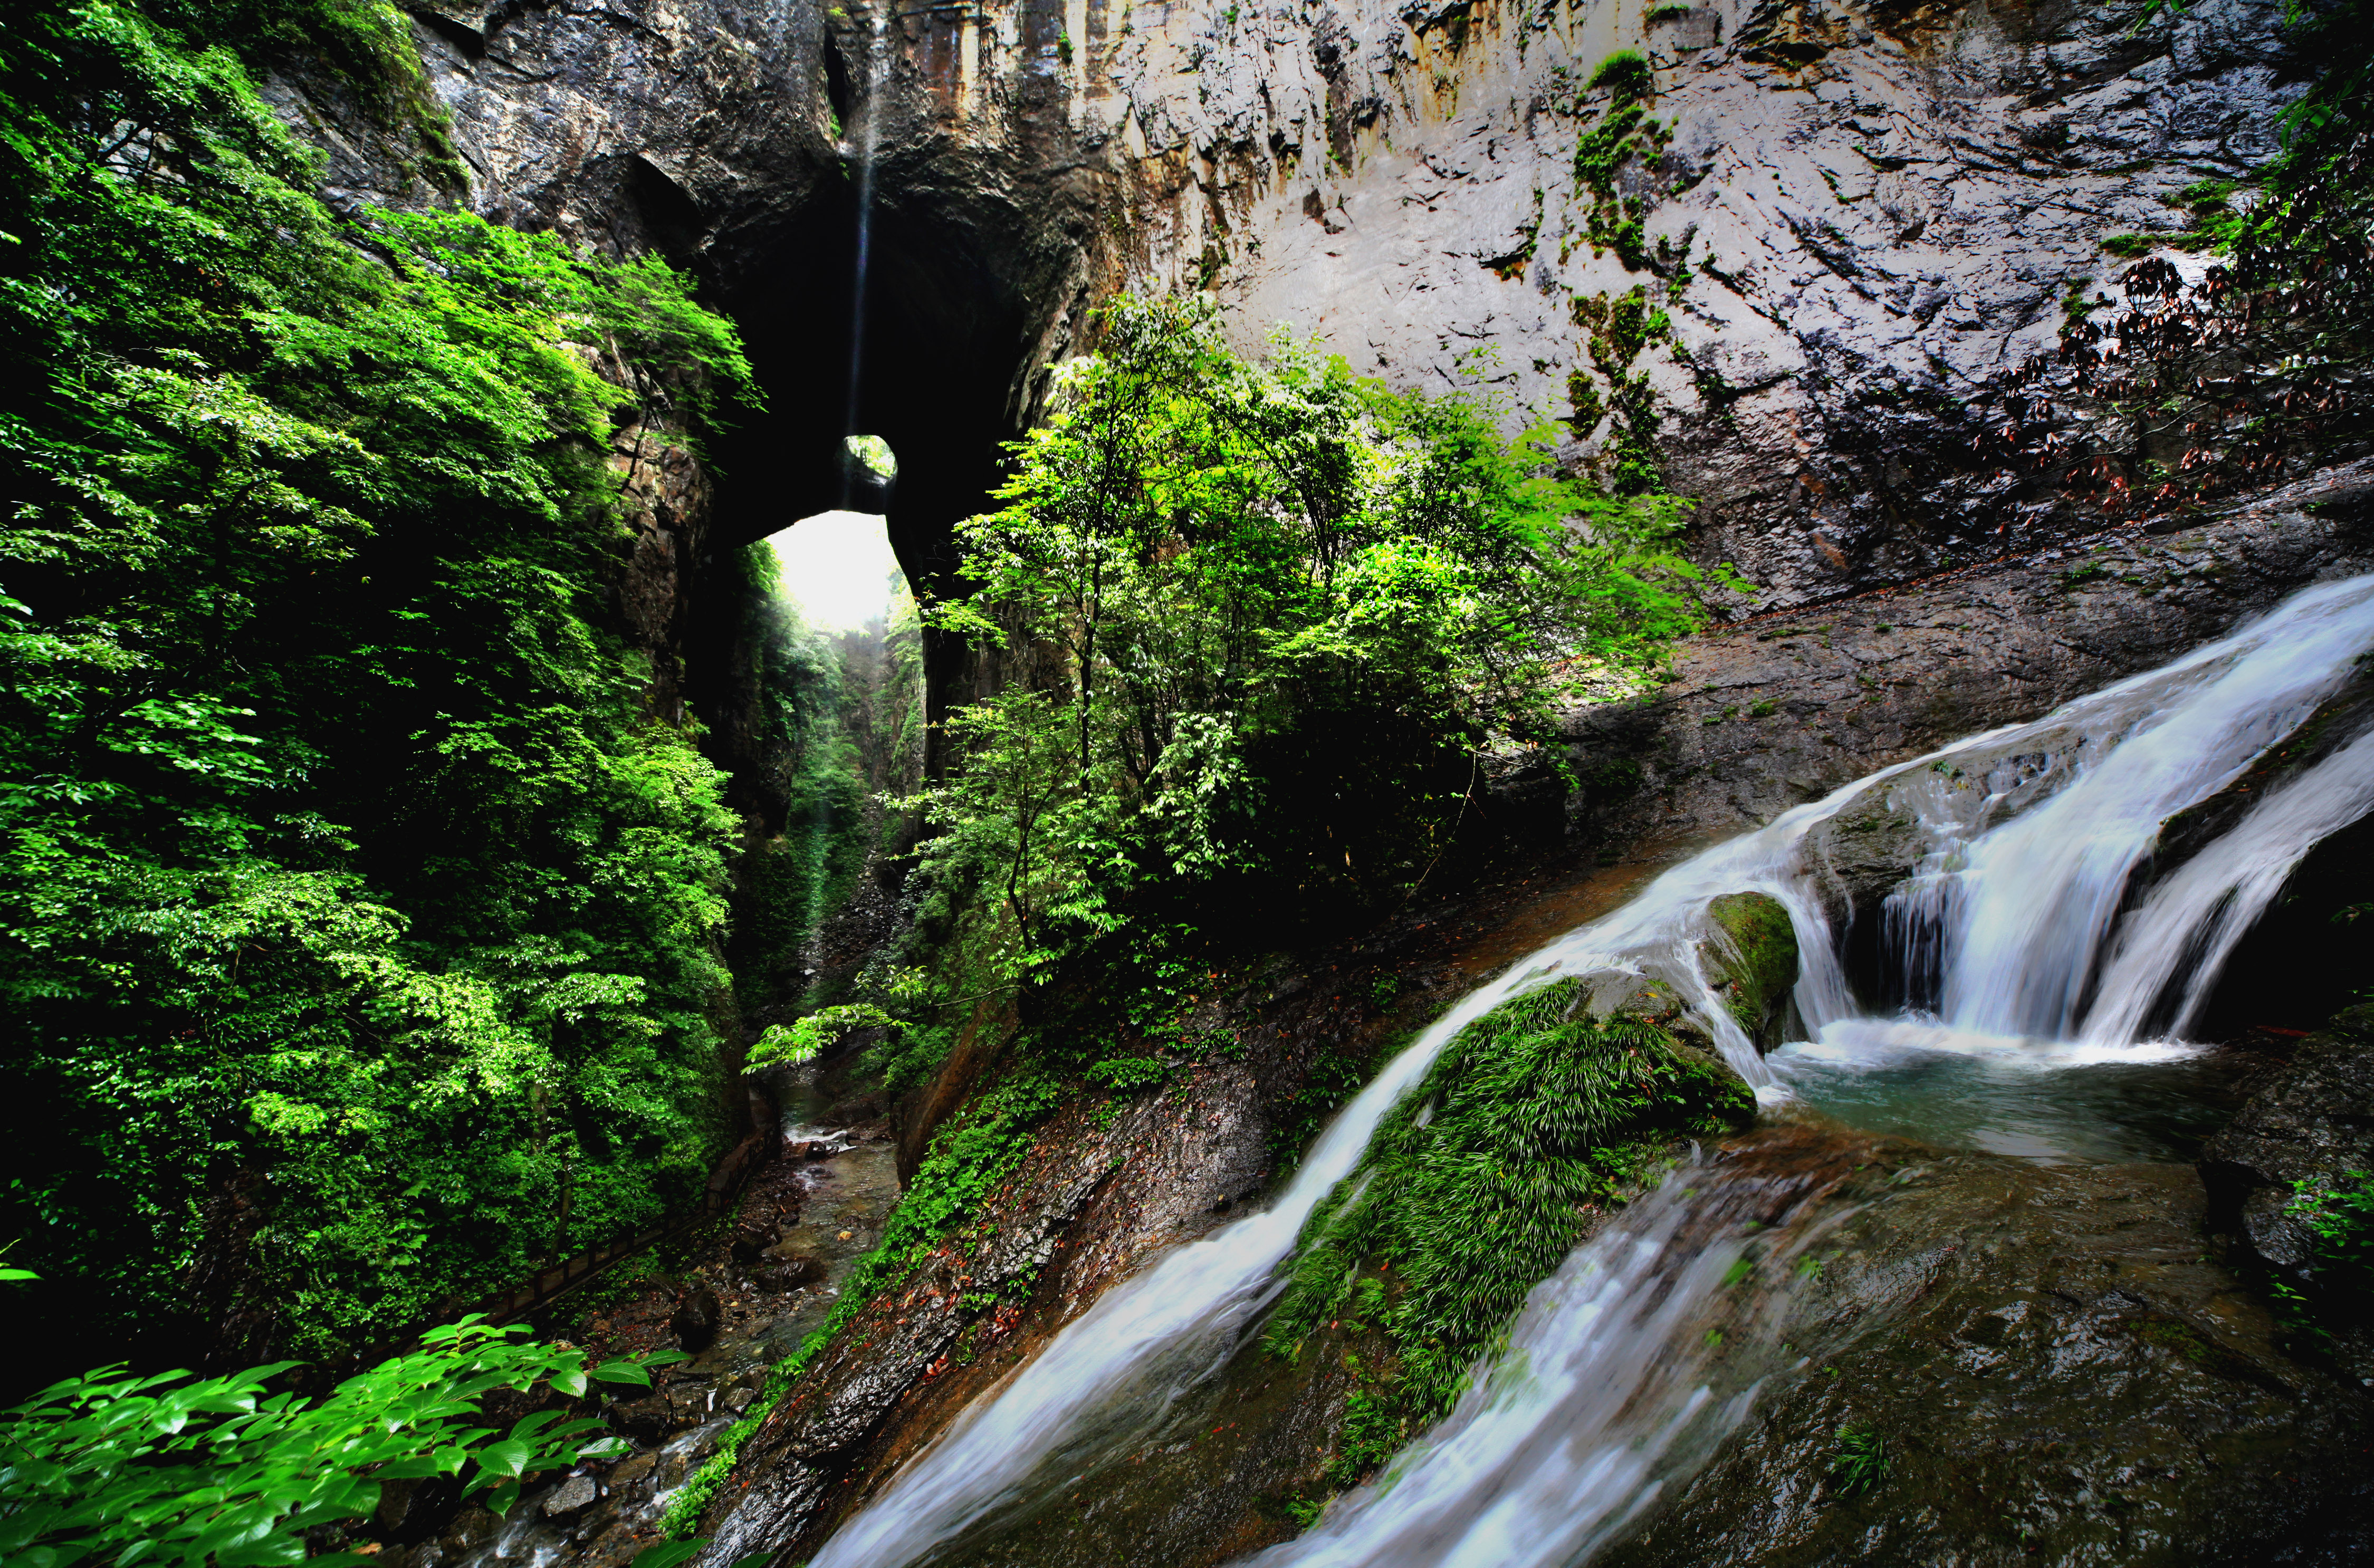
(1845,218)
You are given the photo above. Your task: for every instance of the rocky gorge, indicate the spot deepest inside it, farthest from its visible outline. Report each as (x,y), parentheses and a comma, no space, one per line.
(1853,221)
(1788,1256)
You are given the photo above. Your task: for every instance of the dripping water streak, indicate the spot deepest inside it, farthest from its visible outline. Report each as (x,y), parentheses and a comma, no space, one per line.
(868,139)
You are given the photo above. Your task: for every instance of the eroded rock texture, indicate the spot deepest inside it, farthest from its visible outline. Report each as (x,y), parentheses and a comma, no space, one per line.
(1849,214)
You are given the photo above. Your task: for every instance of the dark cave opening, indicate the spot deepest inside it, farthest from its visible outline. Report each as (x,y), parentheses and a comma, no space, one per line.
(948,337)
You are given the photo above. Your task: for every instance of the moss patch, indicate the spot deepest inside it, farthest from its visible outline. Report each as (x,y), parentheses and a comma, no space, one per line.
(1762,970)
(1536,1119)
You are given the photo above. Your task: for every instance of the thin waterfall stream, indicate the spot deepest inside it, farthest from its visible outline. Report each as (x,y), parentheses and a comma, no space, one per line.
(865,146)
(2031,968)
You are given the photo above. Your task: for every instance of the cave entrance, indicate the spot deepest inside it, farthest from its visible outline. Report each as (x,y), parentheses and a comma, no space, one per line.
(957,305)
(951,323)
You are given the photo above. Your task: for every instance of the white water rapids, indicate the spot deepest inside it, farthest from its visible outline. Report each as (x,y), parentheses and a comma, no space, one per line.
(1607,1397)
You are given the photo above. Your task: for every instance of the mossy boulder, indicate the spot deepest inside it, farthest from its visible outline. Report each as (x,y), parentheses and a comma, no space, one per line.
(1747,949)
(1538,1119)
(1754,967)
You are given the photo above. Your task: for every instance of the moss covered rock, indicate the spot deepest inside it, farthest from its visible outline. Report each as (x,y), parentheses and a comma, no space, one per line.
(1537,1119)
(1747,950)
(1753,967)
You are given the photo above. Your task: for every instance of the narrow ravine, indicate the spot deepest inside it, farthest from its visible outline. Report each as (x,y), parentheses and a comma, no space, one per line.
(2013,939)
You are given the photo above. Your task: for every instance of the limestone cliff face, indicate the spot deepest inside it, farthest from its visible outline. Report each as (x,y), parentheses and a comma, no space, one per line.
(1852,215)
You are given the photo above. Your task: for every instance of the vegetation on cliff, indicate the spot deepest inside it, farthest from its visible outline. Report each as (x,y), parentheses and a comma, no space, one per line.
(843,723)
(359,924)
(2256,368)
(1289,612)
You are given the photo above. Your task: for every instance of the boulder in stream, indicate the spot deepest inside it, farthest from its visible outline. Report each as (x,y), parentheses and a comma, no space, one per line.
(1745,948)
(2306,1129)
(696,1320)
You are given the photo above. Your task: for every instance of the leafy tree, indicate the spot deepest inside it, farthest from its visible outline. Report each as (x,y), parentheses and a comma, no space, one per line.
(359,927)
(1281,613)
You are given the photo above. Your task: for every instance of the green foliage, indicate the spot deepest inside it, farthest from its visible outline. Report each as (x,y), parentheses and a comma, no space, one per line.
(1860,1461)
(1127,1074)
(835,711)
(788,1044)
(2254,371)
(1372,1430)
(340,864)
(1292,607)
(1605,145)
(1624,132)
(2338,1217)
(1481,1181)
(1627,75)
(1621,327)
(217,1473)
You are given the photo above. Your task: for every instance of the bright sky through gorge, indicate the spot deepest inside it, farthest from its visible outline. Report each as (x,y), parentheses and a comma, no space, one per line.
(838,565)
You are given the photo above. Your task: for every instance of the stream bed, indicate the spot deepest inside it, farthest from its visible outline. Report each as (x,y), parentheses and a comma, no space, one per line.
(1968,1230)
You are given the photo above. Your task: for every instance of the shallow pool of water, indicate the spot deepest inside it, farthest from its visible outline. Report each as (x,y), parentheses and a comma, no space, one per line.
(2052,1100)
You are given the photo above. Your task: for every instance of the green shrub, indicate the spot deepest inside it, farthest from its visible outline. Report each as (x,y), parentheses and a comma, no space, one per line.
(217,1473)
(1859,1462)
(1626,74)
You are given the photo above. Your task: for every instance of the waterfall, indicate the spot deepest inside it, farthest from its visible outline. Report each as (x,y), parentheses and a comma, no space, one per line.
(2033,844)
(2029,917)
(1624,1370)
(2184,930)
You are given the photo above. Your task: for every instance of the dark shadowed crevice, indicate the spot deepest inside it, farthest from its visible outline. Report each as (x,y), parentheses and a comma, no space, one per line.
(950,341)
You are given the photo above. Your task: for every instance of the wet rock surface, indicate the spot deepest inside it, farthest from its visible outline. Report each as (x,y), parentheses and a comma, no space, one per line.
(2058,1370)
(1104,1191)
(1783,709)
(2308,1125)
(2055,1364)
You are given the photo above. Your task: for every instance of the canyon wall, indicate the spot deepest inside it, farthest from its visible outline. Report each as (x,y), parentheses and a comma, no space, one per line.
(1851,218)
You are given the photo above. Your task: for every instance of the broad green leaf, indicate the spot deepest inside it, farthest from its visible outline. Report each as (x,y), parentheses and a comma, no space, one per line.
(508,1457)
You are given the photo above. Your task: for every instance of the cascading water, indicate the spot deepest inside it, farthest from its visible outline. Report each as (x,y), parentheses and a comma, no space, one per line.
(2189,924)
(2018,904)
(1624,1370)
(2029,915)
